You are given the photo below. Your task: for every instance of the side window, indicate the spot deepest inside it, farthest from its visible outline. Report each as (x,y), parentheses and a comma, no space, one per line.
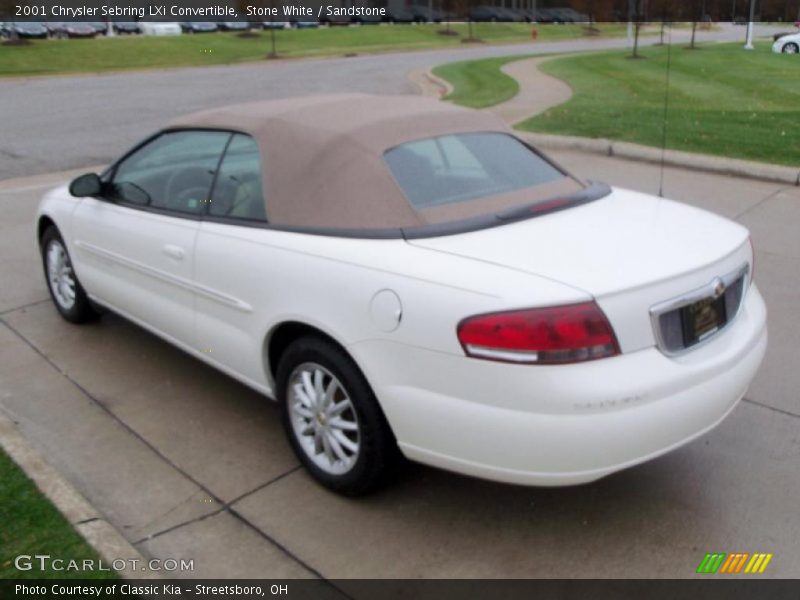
(173,172)
(238,192)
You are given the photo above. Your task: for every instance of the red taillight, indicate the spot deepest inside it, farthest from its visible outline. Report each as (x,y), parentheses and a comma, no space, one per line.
(560,334)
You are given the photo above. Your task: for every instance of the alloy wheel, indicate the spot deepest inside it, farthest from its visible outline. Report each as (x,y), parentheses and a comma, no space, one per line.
(323,418)
(60,275)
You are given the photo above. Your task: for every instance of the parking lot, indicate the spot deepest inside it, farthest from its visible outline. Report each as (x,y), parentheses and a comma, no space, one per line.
(187,463)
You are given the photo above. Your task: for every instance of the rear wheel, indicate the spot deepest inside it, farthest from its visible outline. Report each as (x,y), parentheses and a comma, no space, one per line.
(332,418)
(790,48)
(66,291)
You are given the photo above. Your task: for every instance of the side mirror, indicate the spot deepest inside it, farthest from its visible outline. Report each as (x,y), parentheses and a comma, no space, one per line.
(86,185)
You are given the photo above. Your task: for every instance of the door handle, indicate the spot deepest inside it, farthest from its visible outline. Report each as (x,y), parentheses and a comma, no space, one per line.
(175,252)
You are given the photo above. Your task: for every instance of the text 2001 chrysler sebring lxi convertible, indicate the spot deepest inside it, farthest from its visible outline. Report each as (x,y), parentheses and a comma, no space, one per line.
(403,274)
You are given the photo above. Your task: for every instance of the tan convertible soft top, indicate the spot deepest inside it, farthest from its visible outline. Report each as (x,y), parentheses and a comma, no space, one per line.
(323,161)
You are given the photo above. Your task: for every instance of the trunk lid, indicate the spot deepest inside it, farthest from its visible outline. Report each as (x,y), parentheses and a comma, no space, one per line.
(628,250)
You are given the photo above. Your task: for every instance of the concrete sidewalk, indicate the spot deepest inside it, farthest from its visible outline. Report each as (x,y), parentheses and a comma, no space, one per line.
(538,91)
(187,463)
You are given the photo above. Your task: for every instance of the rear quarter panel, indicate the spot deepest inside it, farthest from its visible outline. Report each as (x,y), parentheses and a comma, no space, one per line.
(272,277)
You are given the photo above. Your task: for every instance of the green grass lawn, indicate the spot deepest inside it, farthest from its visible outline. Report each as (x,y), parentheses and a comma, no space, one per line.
(723,100)
(44,57)
(479,83)
(30,524)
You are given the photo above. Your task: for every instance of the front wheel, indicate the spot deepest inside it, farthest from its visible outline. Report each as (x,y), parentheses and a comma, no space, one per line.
(791,48)
(66,291)
(332,418)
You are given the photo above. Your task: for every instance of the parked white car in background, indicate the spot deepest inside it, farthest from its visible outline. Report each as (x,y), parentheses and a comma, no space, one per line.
(160,28)
(411,278)
(788,44)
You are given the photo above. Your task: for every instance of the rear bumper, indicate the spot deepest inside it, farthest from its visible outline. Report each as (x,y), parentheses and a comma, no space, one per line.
(562,425)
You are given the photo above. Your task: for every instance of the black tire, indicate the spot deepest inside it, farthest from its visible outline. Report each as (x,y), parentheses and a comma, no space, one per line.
(378,455)
(81,310)
(791,48)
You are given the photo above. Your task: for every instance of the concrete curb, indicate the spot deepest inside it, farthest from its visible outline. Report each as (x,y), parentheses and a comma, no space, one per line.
(429,84)
(672,158)
(87,521)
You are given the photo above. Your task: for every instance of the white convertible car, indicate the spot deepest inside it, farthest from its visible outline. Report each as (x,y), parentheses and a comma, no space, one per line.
(788,44)
(408,278)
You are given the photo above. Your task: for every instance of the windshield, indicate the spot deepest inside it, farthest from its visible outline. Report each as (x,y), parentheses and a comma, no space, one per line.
(456,168)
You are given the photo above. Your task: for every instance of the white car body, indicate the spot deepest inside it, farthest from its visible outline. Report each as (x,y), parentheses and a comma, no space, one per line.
(218,291)
(788,44)
(160,28)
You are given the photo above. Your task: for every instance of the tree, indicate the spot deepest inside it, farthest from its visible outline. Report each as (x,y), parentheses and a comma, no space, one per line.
(447,10)
(465,7)
(637,25)
(695,19)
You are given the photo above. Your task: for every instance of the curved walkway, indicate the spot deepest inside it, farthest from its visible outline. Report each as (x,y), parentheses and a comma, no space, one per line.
(538,91)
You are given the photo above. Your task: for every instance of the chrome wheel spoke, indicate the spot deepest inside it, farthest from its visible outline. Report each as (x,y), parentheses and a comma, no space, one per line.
(337,448)
(326,445)
(318,391)
(343,425)
(308,386)
(338,408)
(304,398)
(345,441)
(300,409)
(329,394)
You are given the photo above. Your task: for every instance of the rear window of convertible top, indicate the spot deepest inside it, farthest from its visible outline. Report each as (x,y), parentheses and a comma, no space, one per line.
(461,167)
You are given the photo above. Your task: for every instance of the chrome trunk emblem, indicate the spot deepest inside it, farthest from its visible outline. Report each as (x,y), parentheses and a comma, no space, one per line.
(719,287)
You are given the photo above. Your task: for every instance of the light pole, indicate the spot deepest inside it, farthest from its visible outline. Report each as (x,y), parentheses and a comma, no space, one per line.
(749,44)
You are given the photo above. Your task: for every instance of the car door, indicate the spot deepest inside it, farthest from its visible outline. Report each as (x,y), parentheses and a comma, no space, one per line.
(136,243)
(233,266)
